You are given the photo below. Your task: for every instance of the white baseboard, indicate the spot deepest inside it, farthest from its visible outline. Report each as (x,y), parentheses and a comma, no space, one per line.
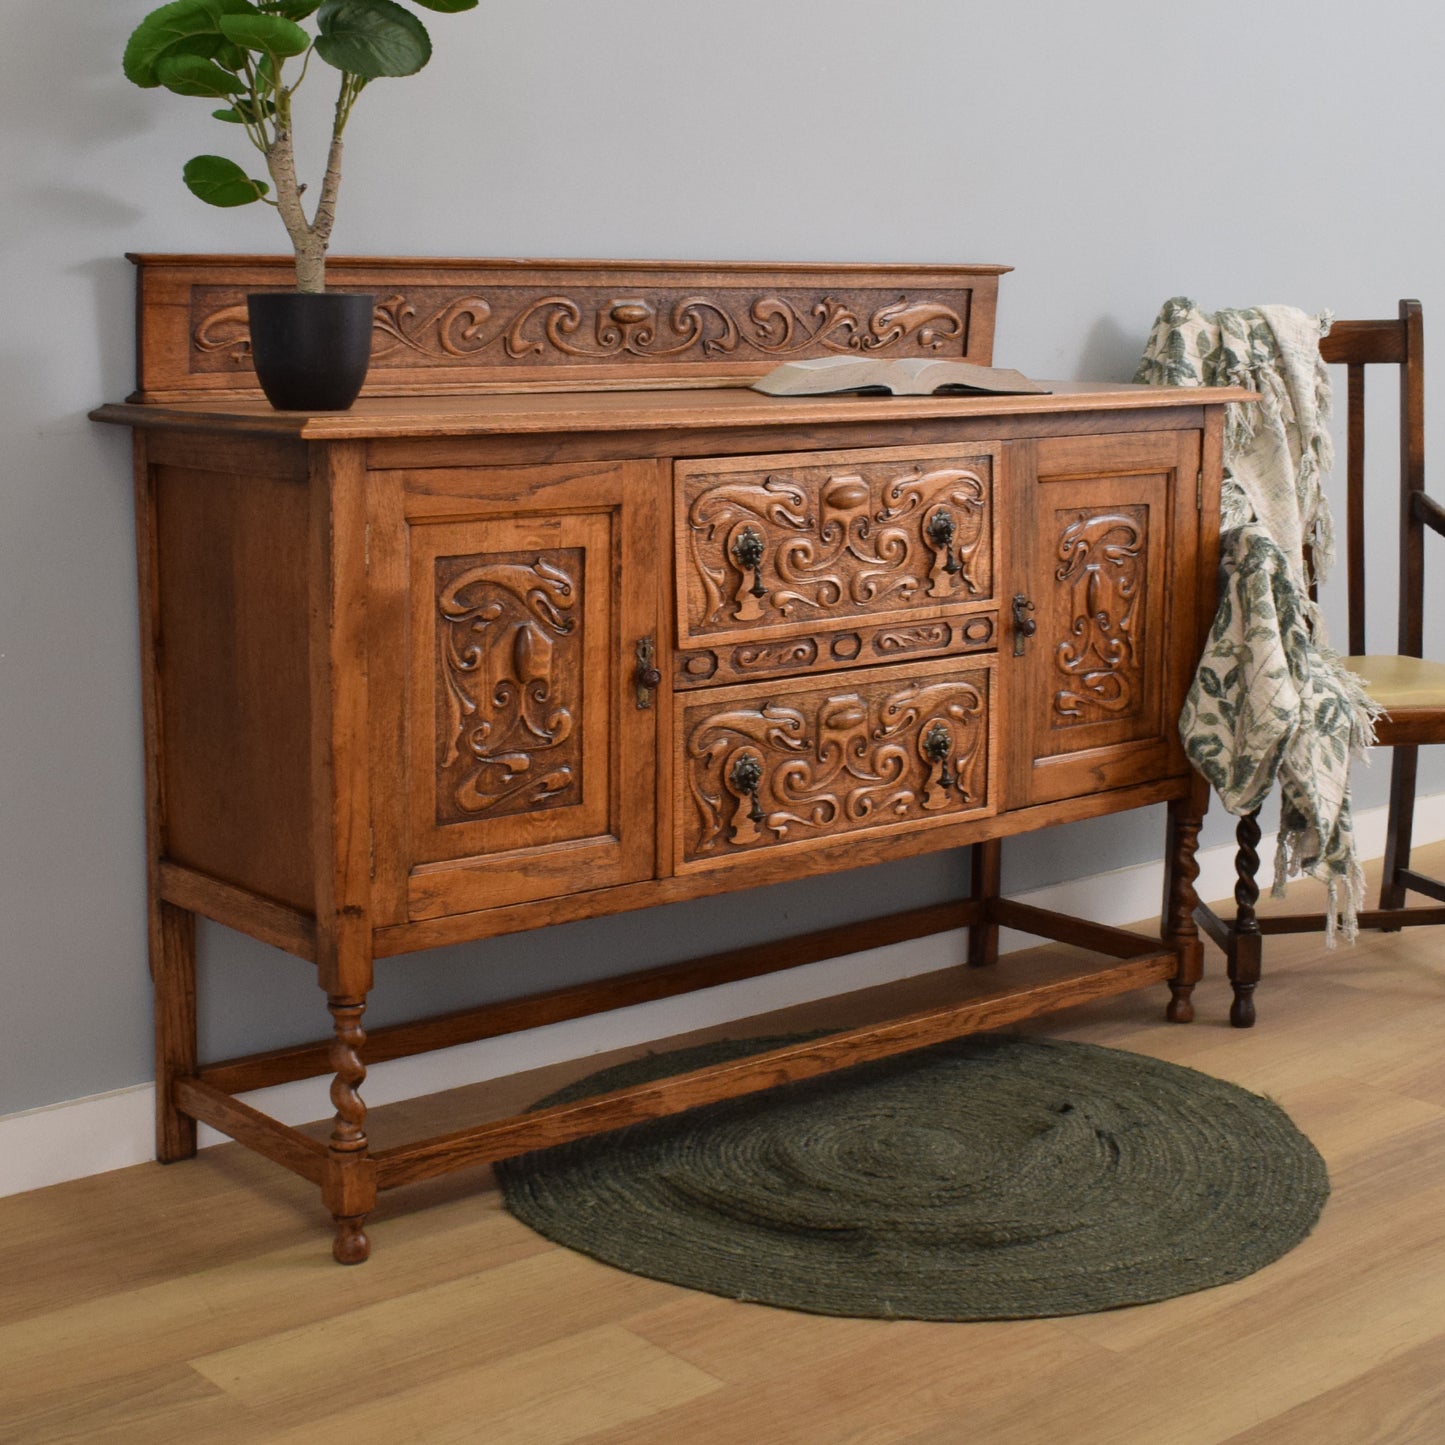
(80,1137)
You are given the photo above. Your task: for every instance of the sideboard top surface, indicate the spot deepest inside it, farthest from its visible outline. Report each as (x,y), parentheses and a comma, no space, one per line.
(512,414)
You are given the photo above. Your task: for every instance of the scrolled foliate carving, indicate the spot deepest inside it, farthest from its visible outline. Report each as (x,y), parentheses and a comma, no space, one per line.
(920,637)
(454,330)
(814,542)
(1100,575)
(786,655)
(829,762)
(509,639)
(430,325)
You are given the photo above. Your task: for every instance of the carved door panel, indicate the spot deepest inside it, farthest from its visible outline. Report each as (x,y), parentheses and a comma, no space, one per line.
(806,561)
(767,767)
(1106,538)
(513,601)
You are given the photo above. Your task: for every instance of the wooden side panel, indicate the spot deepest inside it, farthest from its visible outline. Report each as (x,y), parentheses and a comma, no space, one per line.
(511,759)
(1111,527)
(232,663)
(759,770)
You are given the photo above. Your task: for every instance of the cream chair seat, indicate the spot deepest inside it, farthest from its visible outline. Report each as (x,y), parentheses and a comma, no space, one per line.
(1399,683)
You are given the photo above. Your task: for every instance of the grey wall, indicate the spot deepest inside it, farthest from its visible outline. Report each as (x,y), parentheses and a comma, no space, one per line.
(1115,153)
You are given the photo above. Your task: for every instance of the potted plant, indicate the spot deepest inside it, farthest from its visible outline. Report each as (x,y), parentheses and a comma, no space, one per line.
(311,347)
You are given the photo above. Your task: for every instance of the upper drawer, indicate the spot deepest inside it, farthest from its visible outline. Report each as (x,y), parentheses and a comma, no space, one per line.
(814,541)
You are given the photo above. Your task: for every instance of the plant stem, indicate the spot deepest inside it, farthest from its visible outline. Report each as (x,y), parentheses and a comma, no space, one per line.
(309,239)
(281,162)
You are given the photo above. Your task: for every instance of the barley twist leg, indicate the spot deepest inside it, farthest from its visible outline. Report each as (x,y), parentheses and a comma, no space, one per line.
(1180,901)
(348,1145)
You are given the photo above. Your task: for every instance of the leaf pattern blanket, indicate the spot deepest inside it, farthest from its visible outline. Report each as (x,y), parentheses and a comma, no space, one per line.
(1271,703)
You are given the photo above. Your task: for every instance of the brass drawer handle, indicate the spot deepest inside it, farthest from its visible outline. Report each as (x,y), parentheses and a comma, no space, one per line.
(744,778)
(748,554)
(937,748)
(940,532)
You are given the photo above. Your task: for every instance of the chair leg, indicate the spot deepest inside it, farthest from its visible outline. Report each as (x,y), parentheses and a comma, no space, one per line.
(1245,940)
(1400,826)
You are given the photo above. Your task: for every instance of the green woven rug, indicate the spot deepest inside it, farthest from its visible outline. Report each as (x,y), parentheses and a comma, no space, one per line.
(987,1178)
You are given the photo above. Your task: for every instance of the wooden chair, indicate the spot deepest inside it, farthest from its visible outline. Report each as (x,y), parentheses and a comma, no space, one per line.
(1410,688)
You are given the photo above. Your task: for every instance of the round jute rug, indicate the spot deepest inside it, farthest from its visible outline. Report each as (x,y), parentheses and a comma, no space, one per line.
(987,1178)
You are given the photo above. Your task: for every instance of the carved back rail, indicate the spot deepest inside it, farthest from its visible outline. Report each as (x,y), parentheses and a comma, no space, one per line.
(499,325)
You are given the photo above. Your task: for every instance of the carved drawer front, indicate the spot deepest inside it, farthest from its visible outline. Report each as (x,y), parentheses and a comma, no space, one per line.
(809,560)
(761,768)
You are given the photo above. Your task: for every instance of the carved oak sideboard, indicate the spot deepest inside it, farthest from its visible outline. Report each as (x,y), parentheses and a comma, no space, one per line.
(463,661)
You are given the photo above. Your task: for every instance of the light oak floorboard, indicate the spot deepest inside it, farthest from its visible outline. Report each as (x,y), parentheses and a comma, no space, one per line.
(560,1392)
(199,1302)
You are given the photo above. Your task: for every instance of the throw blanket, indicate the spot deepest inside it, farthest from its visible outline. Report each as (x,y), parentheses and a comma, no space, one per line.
(1271,703)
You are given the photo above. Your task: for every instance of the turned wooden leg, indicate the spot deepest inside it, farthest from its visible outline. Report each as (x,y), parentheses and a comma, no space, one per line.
(173,977)
(985,863)
(1403,766)
(1181,869)
(350,1188)
(1246,943)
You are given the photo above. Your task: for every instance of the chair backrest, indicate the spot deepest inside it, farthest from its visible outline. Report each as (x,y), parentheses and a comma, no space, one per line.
(1356,345)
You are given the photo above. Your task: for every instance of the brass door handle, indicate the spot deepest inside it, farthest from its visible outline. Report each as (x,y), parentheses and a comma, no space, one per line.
(1024,625)
(647,677)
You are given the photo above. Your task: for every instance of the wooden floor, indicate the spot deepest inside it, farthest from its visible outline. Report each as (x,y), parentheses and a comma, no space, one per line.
(198,1303)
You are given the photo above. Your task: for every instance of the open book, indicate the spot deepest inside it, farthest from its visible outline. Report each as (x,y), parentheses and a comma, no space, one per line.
(905,376)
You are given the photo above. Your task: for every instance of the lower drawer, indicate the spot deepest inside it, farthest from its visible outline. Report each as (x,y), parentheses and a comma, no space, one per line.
(770,766)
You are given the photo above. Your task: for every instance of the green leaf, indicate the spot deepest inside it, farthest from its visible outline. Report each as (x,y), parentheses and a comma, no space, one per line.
(447,7)
(190,75)
(220,182)
(185,27)
(371,38)
(266,34)
(291,9)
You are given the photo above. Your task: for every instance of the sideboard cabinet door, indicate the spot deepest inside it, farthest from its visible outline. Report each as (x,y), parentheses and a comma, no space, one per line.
(1105,540)
(513,758)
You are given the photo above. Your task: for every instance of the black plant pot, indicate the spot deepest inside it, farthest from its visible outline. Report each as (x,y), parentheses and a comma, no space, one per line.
(311,351)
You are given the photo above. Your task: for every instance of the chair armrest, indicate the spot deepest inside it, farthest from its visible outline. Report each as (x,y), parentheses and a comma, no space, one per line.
(1428,511)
